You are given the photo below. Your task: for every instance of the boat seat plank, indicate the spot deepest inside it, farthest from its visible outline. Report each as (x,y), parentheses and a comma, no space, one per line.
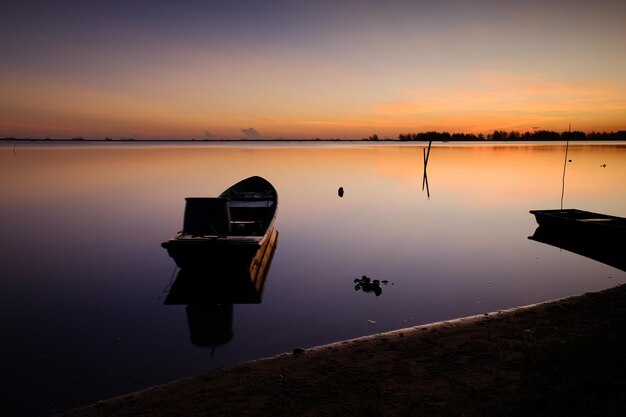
(258,203)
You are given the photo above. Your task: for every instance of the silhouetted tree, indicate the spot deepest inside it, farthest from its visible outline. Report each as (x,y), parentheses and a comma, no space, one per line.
(575,135)
(545,135)
(513,135)
(498,135)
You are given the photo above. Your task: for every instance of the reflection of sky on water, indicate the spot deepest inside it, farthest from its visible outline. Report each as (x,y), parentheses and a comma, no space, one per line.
(83,273)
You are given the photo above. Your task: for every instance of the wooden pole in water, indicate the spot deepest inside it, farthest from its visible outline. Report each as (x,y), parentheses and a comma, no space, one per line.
(425,178)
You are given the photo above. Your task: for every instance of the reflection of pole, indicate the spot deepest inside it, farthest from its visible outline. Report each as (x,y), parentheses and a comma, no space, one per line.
(424,175)
(564,166)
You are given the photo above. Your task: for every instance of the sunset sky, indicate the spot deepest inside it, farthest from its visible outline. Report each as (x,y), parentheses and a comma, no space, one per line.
(307,69)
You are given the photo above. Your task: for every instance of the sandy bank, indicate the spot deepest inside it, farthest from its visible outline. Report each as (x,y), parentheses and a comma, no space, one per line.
(561,358)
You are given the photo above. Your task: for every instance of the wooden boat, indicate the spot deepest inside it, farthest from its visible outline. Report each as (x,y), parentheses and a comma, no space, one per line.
(228,229)
(582,222)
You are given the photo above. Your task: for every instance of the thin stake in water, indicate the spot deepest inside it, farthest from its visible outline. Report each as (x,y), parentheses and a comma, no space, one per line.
(425,177)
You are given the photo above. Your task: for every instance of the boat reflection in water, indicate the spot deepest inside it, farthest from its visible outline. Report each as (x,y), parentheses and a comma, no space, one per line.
(596,247)
(210,290)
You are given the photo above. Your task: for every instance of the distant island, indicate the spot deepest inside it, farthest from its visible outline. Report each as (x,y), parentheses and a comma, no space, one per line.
(496,136)
(514,135)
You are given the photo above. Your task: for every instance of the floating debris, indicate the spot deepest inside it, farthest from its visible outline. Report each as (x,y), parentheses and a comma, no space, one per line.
(371,322)
(366,284)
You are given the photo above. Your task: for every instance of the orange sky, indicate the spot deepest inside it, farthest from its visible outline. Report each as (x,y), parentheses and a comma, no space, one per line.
(310,71)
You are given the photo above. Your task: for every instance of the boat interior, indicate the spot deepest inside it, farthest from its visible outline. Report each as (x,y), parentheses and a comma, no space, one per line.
(219,216)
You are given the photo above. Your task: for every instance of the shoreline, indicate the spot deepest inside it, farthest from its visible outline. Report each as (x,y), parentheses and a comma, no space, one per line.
(280,140)
(559,357)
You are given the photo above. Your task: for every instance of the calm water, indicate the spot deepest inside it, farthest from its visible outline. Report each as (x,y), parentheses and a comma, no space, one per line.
(83,277)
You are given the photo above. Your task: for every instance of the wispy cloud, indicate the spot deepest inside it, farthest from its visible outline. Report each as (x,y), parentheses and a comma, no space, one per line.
(505,100)
(405,107)
(499,92)
(538,94)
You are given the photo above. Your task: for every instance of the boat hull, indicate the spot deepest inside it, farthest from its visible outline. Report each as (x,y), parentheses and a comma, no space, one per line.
(202,252)
(580,222)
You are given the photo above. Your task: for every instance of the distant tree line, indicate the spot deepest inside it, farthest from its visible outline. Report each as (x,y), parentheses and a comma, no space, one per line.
(497,135)
(513,135)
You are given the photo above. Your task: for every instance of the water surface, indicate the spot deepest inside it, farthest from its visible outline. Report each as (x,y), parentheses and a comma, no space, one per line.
(83,276)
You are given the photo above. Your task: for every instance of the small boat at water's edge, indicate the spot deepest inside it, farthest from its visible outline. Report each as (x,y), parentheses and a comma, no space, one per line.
(226,230)
(581,222)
